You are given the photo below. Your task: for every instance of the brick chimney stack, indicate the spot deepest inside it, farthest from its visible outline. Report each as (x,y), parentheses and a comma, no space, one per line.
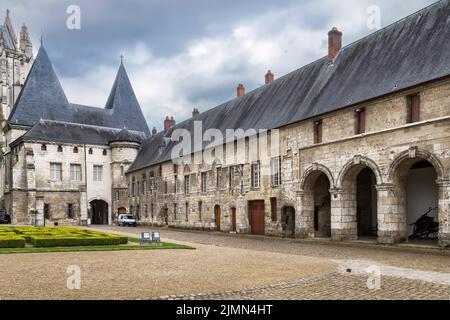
(195,113)
(154,132)
(334,43)
(240,90)
(169,123)
(269,77)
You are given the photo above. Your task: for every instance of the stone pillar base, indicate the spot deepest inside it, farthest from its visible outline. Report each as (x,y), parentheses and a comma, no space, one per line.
(444,240)
(390,237)
(304,234)
(343,235)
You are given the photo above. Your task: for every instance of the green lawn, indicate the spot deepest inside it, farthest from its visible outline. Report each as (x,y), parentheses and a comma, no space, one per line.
(164,246)
(61,239)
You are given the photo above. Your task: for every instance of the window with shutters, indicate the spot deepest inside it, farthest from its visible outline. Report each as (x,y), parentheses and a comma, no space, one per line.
(318,131)
(413,102)
(360,115)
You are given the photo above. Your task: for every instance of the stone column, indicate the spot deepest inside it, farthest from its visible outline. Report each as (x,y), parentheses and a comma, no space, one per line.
(391,215)
(40,209)
(83,206)
(344,225)
(304,215)
(444,212)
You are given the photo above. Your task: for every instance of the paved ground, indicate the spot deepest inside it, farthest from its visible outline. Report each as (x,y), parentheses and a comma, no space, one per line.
(227,267)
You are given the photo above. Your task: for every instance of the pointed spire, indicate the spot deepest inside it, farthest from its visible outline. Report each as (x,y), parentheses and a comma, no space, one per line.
(124,104)
(42,95)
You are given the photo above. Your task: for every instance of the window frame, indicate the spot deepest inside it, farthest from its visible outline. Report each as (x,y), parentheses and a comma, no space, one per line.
(275,176)
(52,171)
(256,175)
(75,165)
(95,173)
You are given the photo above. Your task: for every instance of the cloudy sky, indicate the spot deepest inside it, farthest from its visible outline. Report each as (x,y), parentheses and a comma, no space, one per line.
(182,54)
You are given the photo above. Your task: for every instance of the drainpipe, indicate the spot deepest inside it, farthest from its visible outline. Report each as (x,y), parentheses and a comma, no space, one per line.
(86,183)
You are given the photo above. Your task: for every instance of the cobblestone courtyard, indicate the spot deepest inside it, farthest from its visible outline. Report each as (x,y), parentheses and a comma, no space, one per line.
(228,267)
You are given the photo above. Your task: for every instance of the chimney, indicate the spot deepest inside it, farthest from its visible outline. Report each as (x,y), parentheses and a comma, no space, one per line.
(269,77)
(167,124)
(334,43)
(240,90)
(195,113)
(172,122)
(154,132)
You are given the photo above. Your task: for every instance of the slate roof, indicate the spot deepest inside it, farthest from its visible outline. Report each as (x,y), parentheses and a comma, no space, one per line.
(407,53)
(65,132)
(43,98)
(7,42)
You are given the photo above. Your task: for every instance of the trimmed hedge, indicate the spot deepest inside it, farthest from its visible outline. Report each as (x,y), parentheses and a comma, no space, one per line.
(58,241)
(12,242)
(16,237)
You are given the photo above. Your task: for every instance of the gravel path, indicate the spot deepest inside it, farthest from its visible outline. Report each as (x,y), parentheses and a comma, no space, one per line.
(277,268)
(434,260)
(137,274)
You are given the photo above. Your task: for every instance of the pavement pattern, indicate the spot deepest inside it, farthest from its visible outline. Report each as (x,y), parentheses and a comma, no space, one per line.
(231,267)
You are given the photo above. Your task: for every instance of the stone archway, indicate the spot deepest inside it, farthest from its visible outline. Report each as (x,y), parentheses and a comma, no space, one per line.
(416,183)
(100,212)
(316,202)
(357,183)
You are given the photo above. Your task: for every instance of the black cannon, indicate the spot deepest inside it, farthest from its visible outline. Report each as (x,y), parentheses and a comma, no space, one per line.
(425,228)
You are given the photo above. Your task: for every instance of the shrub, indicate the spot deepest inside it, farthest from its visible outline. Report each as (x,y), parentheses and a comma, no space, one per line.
(12,242)
(58,241)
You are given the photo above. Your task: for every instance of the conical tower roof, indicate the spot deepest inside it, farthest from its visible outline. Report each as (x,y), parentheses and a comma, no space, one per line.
(42,95)
(123,102)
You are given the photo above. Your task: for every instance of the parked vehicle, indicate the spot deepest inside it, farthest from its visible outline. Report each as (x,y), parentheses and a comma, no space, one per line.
(425,227)
(5,219)
(126,220)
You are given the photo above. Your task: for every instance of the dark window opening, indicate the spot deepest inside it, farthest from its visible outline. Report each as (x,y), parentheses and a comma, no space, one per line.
(360,121)
(91,151)
(273,209)
(46,211)
(413,102)
(75,150)
(70,211)
(44,147)
(60,149)
(318,131)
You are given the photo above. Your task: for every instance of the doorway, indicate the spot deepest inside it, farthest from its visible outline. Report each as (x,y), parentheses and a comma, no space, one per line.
(217,217)
(99,210)
(233,219)
(257,217)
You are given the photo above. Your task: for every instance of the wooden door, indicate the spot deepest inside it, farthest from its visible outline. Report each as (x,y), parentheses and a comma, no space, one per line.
(257,217)
(233,219)
(217,216)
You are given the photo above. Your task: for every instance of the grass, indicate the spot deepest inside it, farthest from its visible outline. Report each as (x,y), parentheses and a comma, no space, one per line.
(164,246)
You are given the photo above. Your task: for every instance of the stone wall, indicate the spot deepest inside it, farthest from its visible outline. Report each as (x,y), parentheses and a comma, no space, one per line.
(389,147)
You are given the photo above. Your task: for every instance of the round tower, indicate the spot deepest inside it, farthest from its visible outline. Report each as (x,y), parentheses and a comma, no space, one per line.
(124,149)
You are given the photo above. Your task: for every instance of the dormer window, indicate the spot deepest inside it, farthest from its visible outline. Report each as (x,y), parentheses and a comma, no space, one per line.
(75,150)
(60,149)
(43,147)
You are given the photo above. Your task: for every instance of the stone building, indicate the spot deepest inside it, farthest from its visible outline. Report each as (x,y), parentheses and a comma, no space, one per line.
(364,146)
(16,58)
(65,162)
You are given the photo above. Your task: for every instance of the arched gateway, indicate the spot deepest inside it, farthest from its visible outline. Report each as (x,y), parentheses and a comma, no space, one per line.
(99,211)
